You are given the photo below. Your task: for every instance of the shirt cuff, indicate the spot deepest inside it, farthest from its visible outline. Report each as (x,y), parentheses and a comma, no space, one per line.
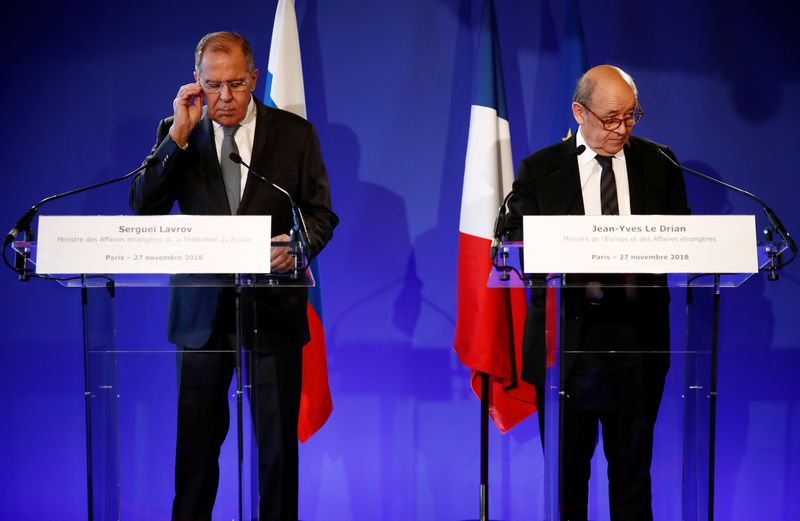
(185,147)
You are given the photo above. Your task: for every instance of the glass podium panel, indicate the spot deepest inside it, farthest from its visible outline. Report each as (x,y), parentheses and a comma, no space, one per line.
(132,391)
(603,369)
(132,416)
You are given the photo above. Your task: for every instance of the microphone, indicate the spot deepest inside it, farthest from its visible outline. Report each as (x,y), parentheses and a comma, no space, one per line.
(776,223)
(23,224)
(297,215)
(500,224)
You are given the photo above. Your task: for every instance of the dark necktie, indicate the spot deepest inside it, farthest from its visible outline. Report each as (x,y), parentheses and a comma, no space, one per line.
(231,172)
(608,187)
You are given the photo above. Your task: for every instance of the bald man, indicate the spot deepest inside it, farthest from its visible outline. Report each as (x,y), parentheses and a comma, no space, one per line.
(617,173)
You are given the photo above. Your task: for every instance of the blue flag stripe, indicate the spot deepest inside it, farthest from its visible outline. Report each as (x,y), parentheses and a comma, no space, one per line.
(268,101)
(489,91)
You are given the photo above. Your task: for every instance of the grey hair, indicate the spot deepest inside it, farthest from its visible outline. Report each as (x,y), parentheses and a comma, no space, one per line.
(223,42)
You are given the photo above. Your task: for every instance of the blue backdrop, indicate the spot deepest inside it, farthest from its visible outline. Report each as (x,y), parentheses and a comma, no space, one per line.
(388,85)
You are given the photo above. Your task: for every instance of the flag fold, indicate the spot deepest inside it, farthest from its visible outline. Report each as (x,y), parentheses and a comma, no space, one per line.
(489,321)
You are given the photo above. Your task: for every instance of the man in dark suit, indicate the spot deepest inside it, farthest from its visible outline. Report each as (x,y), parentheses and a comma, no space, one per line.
(194,170)
(615,173)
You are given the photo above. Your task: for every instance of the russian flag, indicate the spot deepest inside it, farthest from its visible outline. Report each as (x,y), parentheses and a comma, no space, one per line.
(285,90)
(489,321)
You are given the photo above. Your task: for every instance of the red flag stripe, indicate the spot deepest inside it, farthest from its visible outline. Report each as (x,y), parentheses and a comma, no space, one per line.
(489,334)
(315,398)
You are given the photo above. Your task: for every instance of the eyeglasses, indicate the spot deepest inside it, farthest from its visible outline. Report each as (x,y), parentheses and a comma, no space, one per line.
(215,87)
(612,123)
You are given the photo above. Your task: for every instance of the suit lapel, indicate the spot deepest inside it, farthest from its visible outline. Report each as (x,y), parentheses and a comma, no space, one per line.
(263,140)
(572,180)
(558,184)
(633,163)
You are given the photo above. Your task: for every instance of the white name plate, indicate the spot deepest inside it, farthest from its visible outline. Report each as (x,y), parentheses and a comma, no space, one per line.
(154,244)
(640,244)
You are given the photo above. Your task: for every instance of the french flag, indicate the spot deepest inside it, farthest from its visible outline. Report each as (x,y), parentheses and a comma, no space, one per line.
(489,321)
(285,90)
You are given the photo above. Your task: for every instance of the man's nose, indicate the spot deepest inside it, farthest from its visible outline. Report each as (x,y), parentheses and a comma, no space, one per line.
(225,92)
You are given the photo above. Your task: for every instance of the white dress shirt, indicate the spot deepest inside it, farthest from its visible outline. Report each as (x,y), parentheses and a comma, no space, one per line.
(590,170)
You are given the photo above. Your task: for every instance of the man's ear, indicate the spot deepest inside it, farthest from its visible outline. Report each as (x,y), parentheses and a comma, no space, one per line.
(253,80)
(578,112)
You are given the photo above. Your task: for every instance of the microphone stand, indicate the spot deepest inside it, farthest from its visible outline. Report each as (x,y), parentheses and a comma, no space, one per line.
(23,225)
(500,234)
(775,223)
(298,235)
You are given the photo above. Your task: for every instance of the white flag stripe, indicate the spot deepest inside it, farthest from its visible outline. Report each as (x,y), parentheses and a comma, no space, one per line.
(285,67)
(488,172)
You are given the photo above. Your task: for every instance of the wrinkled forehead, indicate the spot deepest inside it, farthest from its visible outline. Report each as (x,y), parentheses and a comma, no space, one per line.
(613,96)
(218,61)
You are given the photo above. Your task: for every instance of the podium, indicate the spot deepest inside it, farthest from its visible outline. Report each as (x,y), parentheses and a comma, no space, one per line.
(131,394)
(685,476)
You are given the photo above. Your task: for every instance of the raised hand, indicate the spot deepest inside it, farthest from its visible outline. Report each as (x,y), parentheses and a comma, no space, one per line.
(188,107)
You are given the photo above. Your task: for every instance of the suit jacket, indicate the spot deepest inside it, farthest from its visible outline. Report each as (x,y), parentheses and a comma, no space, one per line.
(286,151)
(548,183)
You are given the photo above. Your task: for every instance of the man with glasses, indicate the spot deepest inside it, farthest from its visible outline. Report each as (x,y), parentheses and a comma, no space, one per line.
(603,170)
(214,116)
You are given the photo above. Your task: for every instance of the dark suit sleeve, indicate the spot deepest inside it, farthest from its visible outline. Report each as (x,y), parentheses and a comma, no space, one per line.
(521,203)
(314,197)
(155,190)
